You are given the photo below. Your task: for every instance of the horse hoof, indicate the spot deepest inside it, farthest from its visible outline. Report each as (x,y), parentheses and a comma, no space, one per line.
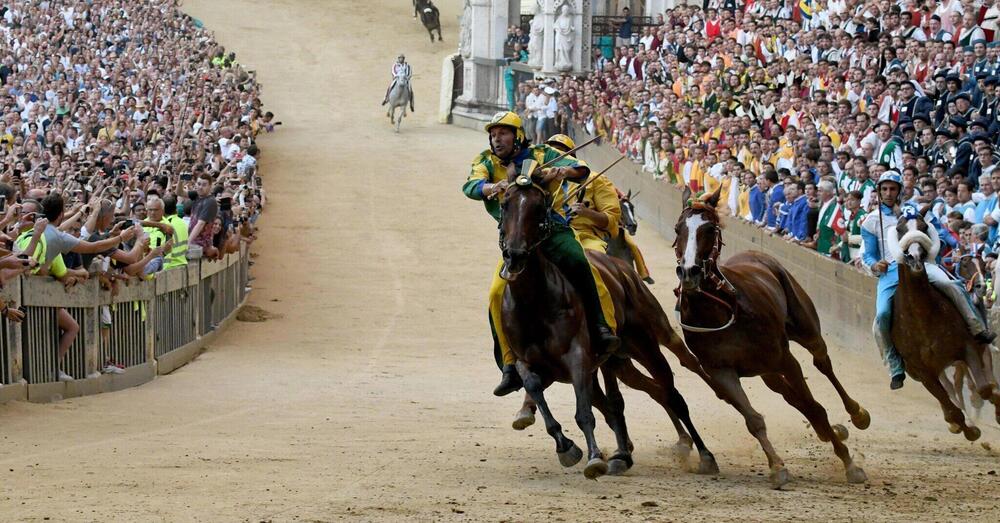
(862,419)
(954,428)
(780,478)
(973,433)
(595,468)
(856,475)
(570,457)
(618,464)
(708,466)
(840,432)
(523,420)
(681,453)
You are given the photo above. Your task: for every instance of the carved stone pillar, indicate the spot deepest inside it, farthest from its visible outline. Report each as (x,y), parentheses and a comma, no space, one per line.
(481,45)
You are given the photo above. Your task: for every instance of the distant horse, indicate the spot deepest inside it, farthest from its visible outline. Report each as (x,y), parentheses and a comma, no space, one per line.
(738,317)
(429,16)
(544,318)
(928,330)
(618,245)
(399,98)
(972,269)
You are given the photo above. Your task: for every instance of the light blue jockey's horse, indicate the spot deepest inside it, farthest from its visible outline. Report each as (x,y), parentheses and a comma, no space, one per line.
(399,97)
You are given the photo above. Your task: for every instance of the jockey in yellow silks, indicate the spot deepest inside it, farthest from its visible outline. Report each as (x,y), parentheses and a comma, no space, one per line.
(597,213)
(486,181)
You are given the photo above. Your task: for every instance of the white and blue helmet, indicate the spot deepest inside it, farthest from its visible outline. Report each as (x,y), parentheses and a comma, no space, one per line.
(890,176)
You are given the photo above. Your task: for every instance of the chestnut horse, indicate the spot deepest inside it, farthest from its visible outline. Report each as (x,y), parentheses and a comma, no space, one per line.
(545,323)
(928,331)
(738,317)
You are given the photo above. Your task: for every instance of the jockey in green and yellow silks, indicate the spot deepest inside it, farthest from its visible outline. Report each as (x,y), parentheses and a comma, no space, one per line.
(488,178)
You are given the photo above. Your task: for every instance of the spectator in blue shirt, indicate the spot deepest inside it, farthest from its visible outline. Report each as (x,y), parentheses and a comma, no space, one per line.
(757,199)
(775,197)
(796,224)
(625,30)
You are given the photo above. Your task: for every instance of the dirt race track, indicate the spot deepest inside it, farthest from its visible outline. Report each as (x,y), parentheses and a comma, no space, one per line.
(369,398)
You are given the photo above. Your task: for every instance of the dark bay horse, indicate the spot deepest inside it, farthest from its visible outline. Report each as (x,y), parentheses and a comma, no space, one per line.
(928,330)
(738,317)
(545,322)
(617,245)
(429,16)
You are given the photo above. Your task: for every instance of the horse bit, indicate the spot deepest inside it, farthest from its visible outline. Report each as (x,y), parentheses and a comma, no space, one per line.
(721,282)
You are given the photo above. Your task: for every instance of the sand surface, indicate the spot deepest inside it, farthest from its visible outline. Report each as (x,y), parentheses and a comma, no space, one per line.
(368,396)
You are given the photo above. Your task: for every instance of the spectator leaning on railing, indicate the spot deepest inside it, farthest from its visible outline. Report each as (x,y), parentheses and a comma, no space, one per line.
(109,112)
(795,108)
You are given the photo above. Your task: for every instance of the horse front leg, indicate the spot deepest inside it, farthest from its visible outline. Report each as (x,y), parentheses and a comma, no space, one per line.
(582,375)
(569,454)
(614,415)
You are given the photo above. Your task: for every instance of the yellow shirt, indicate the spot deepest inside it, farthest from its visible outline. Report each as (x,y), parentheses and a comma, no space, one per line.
(600,195)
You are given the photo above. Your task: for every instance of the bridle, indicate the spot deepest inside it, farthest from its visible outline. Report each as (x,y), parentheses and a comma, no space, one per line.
(710,271)
(545,228)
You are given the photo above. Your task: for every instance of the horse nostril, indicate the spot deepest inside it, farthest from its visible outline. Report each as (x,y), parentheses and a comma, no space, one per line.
(680,272)
(696,270)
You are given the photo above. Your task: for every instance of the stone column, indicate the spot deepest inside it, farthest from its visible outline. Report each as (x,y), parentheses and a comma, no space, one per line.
(481,45)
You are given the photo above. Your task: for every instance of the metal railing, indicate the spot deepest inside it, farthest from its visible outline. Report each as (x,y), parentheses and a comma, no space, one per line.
(139,324)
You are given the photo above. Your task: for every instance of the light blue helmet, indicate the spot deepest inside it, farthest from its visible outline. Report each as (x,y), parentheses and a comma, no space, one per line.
(890,176)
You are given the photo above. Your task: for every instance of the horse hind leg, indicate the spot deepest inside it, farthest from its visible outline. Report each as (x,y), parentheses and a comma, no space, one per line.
(569,454)
(657,364)
(952,414)
(821,360)
(631,376)
(986,387)
(525,417)
(792,386)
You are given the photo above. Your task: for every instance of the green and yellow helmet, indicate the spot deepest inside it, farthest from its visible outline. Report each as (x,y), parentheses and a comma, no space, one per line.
(561,141)
(508,119)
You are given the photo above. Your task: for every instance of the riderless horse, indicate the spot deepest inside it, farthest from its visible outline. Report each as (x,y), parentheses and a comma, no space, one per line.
(738,317)
(928,330)
(399,98)
(617,244)
(429,16)
(545,322)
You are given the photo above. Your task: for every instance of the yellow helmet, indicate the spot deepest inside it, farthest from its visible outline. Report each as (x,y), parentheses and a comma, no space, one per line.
(561,139)
(508,119)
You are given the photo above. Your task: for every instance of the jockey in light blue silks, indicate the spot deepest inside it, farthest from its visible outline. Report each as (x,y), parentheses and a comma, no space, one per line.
(883,265)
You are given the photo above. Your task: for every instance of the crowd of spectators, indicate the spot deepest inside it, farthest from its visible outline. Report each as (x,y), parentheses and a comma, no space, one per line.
(795,107)
(127,145)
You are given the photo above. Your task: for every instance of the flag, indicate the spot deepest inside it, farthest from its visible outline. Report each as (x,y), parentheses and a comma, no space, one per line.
(838,221)
(805,10)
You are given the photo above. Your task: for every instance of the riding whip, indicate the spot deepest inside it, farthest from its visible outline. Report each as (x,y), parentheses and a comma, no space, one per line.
(592,178)
(881,226)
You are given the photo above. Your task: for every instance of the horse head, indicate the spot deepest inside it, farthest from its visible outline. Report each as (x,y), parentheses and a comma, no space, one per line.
(629,222)
(524,223)
(699,239)
(913,241)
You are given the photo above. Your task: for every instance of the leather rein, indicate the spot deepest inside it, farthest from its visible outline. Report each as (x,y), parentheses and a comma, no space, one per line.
(709,267)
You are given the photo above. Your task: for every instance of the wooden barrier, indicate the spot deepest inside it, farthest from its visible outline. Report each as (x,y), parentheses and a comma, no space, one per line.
(844,296)
(148,327)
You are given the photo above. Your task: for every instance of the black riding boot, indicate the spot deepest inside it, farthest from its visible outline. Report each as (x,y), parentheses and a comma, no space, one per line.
(987,336)
(897,381)
(510,382)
